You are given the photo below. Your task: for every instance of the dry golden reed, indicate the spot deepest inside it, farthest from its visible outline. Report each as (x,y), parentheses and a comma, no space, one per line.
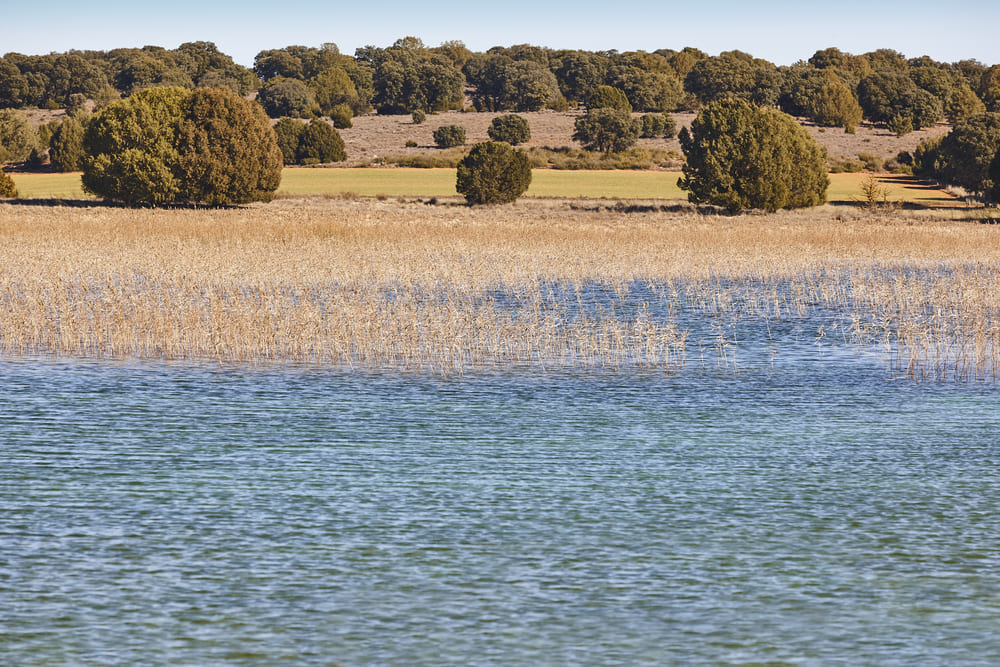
(404,284)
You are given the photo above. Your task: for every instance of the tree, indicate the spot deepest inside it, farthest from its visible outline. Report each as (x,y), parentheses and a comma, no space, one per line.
(164,145)
(836,106)
(579,73)
(607,130)
(965,154)
(131,148)
(333,87)
(7,188)
(449,136)
(407,76)
(609,97)
(66,146)
(646,90)
(658,125)
(17,137)
(742,156)
(963,103)
(994,177)
(320,143)
(511,128)
(227,152)
(889,93)
(288,132)
(287,97)
(493,173)
(734,74)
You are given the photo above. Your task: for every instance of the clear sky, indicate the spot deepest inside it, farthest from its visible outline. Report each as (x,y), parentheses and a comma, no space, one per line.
(777,30)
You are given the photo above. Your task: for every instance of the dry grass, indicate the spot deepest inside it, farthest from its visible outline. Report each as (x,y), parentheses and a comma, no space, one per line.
(405,285)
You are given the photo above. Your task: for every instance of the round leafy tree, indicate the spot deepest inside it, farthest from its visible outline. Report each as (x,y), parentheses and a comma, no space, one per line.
(742,156)
(7,188)
(287,97)
(320,143)
(493,173)
(228,153)
(609,97)
(606,129)
(449,136)
(131,148)
(511,128)
(165,145)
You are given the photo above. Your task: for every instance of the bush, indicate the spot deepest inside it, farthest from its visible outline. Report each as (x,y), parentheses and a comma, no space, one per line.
(449,136)
(289,132)
(410,143)
(66,145)
(493,173)
(900,125)
(7,188)
(742,156)
(418,116)
(511,128)
(172,145)
(609,97)
(658,125)
(319,143)
(341,116)
(926,157)
(606,129)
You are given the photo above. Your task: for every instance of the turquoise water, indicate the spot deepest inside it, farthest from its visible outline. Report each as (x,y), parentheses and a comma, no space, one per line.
(808,511)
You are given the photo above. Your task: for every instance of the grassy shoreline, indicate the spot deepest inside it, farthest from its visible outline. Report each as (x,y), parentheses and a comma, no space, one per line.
(404,285)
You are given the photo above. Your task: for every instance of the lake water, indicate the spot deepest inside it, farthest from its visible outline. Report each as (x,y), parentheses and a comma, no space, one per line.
(804,509)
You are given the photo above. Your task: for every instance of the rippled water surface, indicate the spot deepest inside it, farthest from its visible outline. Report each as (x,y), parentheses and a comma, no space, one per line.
(816,512)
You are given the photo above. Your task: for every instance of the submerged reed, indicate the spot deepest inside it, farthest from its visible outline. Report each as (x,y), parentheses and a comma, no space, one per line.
(402,284)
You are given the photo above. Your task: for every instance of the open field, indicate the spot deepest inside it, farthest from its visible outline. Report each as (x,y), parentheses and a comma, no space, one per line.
(408,285)
(844,188)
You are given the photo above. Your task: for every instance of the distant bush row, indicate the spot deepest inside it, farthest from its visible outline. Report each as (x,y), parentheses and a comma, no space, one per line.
(832,88)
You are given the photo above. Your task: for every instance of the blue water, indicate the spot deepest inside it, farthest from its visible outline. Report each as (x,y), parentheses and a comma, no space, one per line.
(806,511)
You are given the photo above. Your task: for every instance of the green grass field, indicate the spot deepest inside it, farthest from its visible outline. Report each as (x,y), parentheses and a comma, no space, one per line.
(844,188)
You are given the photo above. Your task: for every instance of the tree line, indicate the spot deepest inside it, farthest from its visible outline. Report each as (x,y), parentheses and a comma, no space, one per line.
(832,87)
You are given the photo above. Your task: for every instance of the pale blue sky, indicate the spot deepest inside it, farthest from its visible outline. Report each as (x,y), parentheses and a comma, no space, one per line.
(777,30)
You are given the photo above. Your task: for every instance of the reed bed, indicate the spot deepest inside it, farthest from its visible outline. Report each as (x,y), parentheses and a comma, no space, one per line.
(407,285)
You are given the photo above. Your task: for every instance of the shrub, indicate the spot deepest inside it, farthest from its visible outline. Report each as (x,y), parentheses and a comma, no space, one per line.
(66,145)
(171,145)
(410,143)
(418,116)
(609,97)
(7,188)
(320,143)
(900,125)
(926,157)
(341,116)
(606,129)
(449,136)
(658,125)
(741,156)
(493,173)
(511,128)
